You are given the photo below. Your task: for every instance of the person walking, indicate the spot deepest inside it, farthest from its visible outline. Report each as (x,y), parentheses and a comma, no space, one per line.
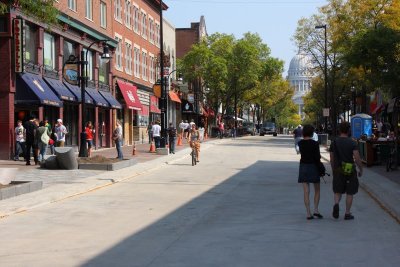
(308,170)
(89,137)
(42,138)
(344,158)
(201,129)
(117,137)
(221,128)
(30,132)
(156,133)
(171,138)
(150,132)
(19,140)
(194,141)
(297,135)
(60,131)
(182,127)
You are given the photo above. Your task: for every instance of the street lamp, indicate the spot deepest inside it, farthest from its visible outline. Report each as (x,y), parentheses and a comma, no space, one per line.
(83,83)
(325,73)
(164,96)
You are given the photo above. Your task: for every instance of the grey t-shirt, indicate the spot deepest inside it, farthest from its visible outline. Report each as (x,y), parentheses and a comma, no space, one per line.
(342,148)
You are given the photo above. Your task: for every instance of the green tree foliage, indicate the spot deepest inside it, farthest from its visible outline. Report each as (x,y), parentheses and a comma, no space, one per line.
(42,10)
(239,67)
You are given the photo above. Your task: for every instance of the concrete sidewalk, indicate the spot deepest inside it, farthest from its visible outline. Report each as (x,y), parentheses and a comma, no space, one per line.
(61,184)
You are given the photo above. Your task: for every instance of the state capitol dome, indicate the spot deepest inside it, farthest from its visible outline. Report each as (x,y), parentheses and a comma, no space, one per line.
(299,76)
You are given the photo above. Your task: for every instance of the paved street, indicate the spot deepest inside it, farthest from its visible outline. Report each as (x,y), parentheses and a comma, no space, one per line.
(241,206)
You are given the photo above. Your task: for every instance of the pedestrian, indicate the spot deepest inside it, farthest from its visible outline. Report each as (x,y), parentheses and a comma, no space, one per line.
(60,131)
(89,137)
(201,129)
(42,139)
(30,131)
(182,127)
(117,137)
(150,132)
(187,129)
(344,157)
(315,136)
(221,128)
(297,135)
(19,140)
(171,137)
(308,170)
(156,129)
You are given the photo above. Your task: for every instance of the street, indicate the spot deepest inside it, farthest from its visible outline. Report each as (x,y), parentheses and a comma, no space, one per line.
(240,206)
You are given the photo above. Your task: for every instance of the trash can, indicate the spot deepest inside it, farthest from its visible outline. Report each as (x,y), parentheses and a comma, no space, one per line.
(323,139)
(361,124)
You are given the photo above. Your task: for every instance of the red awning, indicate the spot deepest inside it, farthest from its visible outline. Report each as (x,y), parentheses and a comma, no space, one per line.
(378,109)
(144,111)
(174,97)
(129,92)
(154,104)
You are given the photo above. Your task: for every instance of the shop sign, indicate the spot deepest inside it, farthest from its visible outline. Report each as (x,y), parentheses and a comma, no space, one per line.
(190,98)
(70,73)
(18,41)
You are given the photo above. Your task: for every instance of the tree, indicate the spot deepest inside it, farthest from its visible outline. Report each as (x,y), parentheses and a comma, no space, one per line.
(241,70)
(42,10)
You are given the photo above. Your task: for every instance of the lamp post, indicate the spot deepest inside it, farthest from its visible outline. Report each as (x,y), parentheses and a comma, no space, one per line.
(325,72)
(83,83)
(164,96)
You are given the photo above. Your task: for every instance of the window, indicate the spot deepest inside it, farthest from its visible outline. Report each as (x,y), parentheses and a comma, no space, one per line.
(144,66)
(30,43)
(72,4)
(136,18)
(152,69)
(104,70)
(157,35)
(69,49)
(117,10)
(136,62)
(49,53)
(103,14)
(89,66)
(151,31)
(128,13)
(128,58)
(89,9)
(144,25)
(118,54)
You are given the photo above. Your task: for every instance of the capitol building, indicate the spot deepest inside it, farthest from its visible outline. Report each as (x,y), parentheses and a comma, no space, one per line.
(299,76)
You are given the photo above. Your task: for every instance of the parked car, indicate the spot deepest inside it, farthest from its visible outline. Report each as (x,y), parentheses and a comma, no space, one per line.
(268,127)
(249,128)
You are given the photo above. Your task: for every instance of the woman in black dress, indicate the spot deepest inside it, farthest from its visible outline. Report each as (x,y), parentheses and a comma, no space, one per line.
(308,170)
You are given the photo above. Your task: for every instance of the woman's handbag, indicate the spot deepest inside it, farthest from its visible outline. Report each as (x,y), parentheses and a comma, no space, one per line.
(45,138)
(321,169)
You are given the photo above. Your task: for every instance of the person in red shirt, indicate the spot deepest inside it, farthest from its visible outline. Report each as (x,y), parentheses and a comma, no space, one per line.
(89,137)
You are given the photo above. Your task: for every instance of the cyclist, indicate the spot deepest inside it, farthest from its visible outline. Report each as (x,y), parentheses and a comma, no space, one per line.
(194,141)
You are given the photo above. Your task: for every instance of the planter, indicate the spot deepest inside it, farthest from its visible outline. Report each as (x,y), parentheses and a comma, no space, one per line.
(107,166)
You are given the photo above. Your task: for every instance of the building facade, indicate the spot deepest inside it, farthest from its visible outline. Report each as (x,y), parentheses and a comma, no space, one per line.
(36,88)
(299,76)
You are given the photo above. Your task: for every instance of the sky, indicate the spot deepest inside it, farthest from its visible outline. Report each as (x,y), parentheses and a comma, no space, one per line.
(274,20)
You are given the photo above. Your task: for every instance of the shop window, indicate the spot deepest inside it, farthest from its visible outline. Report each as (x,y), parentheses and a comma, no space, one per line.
(104,70)
(89,66)
(69,49)
(49,53)
(30,43)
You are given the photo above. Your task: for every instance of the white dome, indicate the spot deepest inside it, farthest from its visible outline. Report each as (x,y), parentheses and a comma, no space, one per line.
(300,66)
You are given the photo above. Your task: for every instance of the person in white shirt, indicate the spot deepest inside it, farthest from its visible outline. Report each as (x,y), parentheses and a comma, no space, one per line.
(182,127)
(60,132)
(19,140)
(156,129)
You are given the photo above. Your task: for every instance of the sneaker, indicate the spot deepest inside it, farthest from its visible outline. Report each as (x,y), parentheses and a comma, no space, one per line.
(335,213)
(348,216)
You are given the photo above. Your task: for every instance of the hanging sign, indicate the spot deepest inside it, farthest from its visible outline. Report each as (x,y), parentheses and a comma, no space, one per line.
(18,41)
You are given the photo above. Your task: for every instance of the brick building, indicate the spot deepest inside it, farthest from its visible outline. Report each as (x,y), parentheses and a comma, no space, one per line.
(38,90)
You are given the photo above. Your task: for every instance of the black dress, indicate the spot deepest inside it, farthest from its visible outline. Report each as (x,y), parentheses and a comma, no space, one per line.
(310,156)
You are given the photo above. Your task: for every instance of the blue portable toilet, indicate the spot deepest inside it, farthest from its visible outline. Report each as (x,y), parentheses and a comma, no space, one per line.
(361,124)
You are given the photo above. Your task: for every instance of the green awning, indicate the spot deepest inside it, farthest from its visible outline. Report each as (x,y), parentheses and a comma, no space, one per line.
(82,27)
